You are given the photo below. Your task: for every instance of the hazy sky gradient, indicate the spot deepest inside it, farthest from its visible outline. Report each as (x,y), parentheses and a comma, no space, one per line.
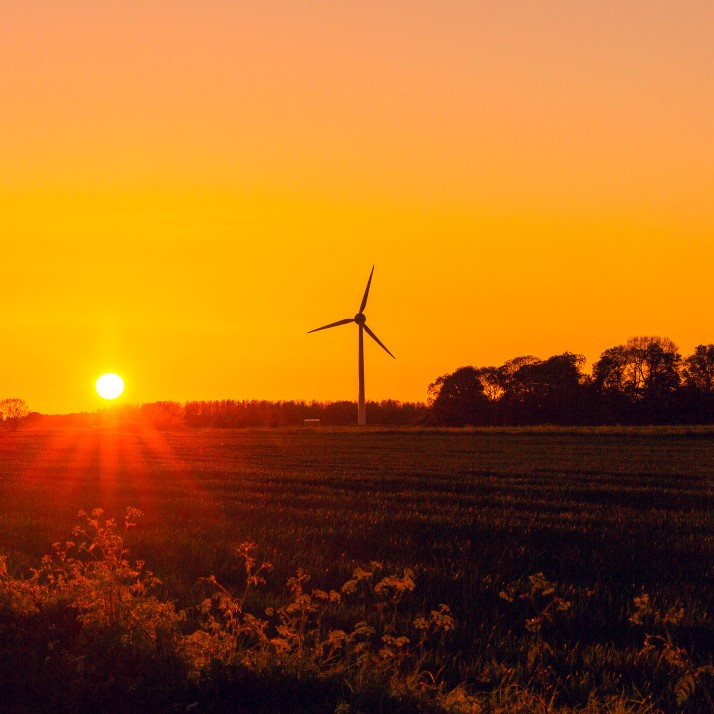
(187,188)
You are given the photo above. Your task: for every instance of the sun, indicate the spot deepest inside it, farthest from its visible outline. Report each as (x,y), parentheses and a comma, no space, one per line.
(110,386)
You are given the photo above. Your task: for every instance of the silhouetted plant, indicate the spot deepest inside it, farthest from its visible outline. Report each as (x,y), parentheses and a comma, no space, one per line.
(659,626)
(358,644)
(12,411)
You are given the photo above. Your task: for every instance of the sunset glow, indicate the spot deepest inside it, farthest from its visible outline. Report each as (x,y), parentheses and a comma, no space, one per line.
(187,188)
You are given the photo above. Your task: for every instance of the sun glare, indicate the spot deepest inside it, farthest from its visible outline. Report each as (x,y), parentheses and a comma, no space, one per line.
(110,386)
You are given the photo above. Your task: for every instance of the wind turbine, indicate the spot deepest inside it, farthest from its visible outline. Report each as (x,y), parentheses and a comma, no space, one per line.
(361,320)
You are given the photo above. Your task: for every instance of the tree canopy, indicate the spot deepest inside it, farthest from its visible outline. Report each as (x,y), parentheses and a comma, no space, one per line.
(12,411)
(644,381)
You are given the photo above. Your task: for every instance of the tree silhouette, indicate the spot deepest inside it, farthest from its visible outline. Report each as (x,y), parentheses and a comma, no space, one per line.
(644,381)
(458,399)
(610,385)
(637,380)
(698,370)
(492,381)
(514,382)
(696,401)
(13,410)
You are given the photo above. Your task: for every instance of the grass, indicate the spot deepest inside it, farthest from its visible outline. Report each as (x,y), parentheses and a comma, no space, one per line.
(606,515)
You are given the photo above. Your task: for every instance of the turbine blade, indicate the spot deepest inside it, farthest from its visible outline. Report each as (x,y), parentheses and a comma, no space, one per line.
(332,324)
(366,292)
(377,340)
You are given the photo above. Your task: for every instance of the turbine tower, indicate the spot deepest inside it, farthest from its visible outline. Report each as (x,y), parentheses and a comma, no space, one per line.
(361,321)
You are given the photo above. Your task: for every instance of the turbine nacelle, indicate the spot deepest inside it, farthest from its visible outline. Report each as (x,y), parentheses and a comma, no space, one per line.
(360,318)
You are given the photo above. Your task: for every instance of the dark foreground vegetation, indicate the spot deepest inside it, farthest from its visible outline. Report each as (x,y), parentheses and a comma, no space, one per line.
(449,570)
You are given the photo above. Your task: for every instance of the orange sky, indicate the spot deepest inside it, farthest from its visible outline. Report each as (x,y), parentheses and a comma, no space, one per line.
(187,188)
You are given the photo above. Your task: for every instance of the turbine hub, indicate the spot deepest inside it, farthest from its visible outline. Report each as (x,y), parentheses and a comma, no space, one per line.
(360,319)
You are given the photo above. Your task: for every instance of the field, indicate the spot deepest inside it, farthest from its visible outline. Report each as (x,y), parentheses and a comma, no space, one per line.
(606,515)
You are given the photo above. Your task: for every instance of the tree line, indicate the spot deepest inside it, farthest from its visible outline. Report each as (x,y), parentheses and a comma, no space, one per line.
(230,413)
(644,381)
(235,414)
